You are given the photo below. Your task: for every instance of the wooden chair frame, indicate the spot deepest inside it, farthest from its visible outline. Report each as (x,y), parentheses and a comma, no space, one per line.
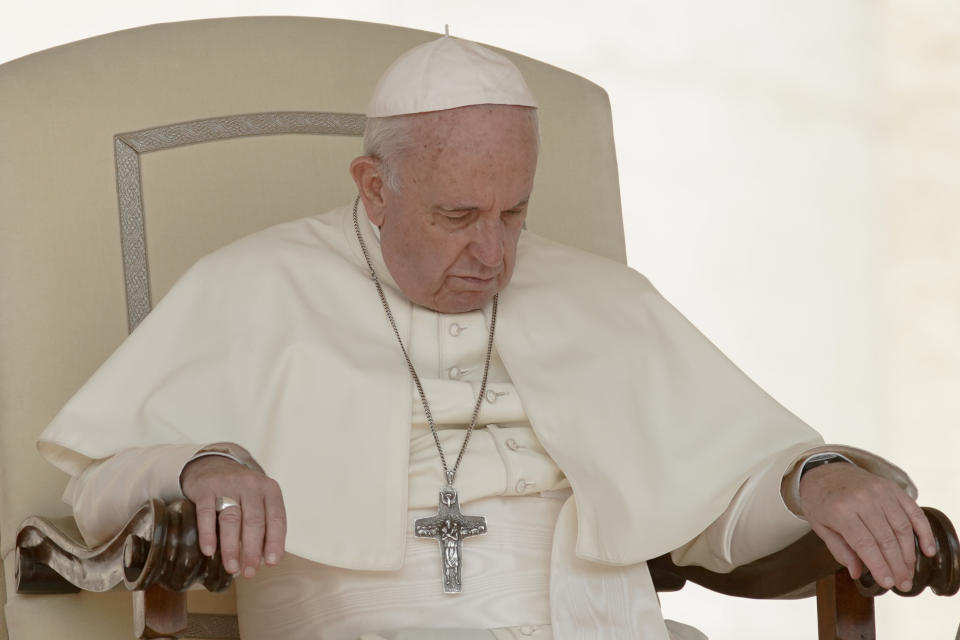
(156,556)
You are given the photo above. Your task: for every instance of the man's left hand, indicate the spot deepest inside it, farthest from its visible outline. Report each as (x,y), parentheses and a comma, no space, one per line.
(866,520)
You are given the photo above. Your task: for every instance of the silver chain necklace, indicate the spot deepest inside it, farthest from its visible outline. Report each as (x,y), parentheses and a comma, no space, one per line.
(449,527)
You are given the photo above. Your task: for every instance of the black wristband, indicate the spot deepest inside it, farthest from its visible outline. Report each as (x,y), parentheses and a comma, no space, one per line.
(820,460)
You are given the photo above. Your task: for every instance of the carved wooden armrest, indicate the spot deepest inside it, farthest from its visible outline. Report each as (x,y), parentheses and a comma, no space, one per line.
(156,555)
(844,606)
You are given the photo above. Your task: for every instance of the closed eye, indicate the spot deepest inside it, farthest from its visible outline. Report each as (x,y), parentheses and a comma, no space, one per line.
(518,208)
(457,215)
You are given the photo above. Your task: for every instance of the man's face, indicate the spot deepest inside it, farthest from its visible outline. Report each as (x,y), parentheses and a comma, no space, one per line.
(449,235)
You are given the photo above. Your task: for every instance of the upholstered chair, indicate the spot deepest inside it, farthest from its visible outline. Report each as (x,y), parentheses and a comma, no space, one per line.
(126,157)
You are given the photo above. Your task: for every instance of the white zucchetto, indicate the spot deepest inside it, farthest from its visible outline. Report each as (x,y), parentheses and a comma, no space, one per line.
(445,74)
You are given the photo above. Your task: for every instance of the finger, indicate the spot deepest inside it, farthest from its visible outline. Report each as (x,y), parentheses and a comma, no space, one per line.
(207,524)
(921,525)
(230,522)
(890,544)
(872,544)
(841,551)
(276,526)
(902,527)
(251,535)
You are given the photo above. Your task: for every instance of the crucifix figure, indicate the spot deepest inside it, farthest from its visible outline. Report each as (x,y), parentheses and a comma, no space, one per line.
(449,527)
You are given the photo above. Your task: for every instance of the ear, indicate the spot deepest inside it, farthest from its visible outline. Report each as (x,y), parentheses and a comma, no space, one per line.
(366,174)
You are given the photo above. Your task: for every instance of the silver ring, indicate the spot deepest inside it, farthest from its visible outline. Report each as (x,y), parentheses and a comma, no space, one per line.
(223,502)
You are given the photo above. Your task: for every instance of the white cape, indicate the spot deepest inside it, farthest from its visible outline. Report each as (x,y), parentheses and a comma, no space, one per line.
(278,342)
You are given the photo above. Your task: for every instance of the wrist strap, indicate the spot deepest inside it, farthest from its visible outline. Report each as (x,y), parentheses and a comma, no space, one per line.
(821,459)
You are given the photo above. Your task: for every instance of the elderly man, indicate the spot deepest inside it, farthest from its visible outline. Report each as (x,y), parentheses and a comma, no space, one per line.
(414,365)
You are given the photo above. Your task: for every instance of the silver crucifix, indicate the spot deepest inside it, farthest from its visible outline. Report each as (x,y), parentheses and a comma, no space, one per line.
(449,527)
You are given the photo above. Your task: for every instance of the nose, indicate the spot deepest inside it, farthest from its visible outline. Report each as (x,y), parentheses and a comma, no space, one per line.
(488,240)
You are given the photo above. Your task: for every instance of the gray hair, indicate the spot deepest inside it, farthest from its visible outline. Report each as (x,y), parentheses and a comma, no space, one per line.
(390,140)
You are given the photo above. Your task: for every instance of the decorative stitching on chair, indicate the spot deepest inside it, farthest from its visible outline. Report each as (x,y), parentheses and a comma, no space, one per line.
(133,240)
(128,147)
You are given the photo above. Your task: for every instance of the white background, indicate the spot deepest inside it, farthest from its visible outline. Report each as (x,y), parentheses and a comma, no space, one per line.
(788,178)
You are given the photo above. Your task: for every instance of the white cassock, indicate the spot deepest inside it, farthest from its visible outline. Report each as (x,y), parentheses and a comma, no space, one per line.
(279,343)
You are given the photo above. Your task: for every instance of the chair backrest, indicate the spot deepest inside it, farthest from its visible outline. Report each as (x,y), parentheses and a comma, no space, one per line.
(196,133)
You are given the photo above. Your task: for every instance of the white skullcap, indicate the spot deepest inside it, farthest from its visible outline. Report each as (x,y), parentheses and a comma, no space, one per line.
(445,74)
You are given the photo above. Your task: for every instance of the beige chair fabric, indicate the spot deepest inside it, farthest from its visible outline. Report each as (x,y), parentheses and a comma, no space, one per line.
(63,306)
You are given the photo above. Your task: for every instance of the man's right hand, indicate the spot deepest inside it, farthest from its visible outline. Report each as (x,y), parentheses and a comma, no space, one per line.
(252,532)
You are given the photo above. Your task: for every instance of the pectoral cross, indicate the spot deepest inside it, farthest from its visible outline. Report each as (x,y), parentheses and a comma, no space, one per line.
(449,527)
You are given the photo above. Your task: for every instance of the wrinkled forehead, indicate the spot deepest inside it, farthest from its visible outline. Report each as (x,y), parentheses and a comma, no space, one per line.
(481,155)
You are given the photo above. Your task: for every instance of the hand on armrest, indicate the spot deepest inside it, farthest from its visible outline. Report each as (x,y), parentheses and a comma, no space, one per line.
(865,519)
(252,532)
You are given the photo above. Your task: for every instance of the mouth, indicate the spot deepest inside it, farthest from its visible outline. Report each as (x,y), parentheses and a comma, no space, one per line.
(473,282)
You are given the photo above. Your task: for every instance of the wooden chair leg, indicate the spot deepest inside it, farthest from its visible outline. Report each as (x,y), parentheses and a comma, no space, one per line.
(159,613)
(842,612)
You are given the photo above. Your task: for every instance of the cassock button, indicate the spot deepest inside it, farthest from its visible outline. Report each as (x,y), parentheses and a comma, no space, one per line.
(491,395)
(527,630)
(454,373)
(522,485)
(456,329)
(512,444)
